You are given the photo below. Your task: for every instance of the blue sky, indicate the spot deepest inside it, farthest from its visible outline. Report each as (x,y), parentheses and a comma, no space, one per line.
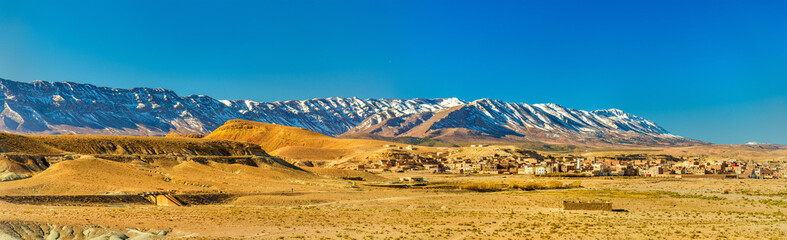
(710,70)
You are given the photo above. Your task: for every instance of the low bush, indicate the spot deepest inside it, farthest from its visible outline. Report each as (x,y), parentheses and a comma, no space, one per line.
(778,203)
(527,186)
(698,196)
(482,187)
(555,185)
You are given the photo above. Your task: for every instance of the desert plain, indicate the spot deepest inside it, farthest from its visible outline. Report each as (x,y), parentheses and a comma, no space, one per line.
(327,207)
(93,187)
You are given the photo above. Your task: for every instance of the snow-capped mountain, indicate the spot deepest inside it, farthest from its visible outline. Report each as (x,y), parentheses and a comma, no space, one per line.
(42,107)
(67,107)
(485,119)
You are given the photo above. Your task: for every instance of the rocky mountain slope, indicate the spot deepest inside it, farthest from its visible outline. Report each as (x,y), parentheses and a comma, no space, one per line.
(491,120)
(42,107)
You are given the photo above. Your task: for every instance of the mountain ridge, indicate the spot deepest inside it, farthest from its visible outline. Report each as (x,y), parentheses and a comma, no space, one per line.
(42,107)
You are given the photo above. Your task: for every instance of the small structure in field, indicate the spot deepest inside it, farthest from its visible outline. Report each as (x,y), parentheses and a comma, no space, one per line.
(162,199)
(411,179)
(587,205)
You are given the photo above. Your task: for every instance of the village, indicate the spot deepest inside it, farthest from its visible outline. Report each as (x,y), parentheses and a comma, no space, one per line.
(643,165)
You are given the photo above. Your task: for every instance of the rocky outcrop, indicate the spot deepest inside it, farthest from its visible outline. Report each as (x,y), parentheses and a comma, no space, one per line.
(12,230)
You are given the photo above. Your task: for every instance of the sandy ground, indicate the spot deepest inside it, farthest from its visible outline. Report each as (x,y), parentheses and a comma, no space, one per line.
(657,209)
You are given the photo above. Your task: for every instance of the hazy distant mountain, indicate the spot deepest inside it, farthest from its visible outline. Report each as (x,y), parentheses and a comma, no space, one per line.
(42,107)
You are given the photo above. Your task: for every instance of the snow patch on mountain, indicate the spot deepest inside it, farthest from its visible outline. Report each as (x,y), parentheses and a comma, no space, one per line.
(42,107)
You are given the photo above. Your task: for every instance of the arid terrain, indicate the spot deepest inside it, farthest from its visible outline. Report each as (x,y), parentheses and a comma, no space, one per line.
(261,181)
(656,209)
(389,120)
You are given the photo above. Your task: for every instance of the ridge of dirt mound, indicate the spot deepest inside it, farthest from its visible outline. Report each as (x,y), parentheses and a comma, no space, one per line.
(179,135)
(24,144)
(88,175)
(292,142)
(95,176)
(15,166)
(105,144)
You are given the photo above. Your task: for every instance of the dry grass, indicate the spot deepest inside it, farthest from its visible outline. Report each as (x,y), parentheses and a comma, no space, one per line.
(698,196)
(514,185)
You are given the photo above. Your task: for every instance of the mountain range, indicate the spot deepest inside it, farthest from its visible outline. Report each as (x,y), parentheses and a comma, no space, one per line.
(42,107)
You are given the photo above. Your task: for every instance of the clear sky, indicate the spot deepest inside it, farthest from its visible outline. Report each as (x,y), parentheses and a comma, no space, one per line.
(710,70)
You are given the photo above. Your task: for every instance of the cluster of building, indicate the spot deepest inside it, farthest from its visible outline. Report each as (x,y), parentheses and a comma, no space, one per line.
(534,164)
(740,169)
